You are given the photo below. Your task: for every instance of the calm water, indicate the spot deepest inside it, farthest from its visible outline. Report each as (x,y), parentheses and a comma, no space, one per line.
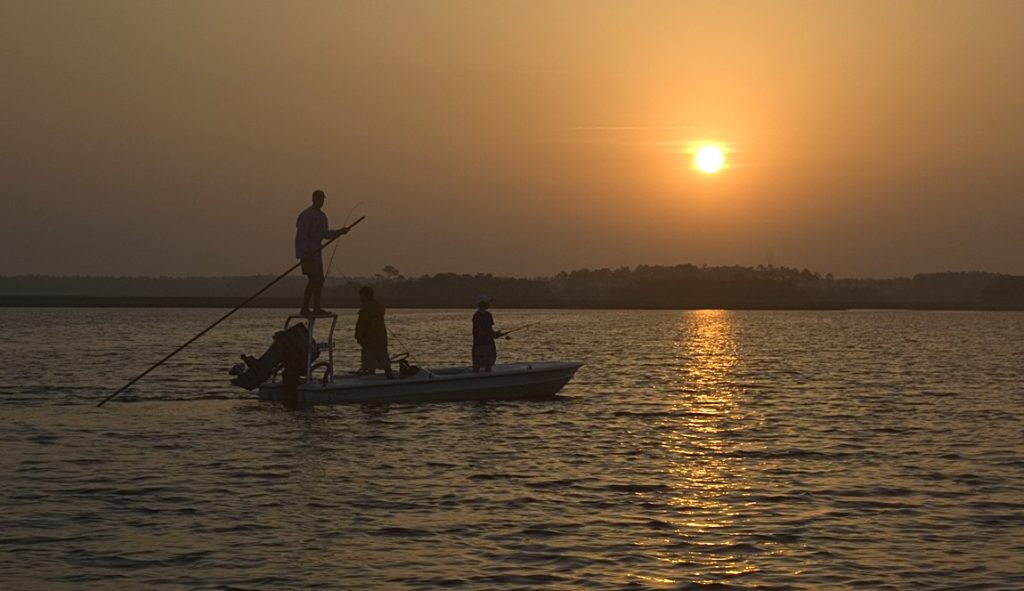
(708,449)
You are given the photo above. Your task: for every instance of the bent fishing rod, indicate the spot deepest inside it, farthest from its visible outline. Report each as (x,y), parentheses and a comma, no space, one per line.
(224,317)
(334,251)
(407,350)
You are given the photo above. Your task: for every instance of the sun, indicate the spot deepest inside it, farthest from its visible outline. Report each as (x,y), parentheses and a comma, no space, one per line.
(709,159)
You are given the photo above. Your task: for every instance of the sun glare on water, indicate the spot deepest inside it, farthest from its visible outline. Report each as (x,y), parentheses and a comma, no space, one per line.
(709,159)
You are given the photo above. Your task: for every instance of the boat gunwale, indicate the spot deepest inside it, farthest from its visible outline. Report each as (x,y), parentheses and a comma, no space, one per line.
(359,382)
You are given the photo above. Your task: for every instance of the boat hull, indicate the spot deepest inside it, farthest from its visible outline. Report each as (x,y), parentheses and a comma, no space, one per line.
(514,381)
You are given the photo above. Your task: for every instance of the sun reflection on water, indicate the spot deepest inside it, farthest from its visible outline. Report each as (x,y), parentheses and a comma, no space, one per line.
(699,438)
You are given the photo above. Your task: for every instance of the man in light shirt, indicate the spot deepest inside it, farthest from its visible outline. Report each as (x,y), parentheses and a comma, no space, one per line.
(310,232)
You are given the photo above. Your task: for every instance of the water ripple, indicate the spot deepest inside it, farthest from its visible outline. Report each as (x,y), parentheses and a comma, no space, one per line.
(718,450)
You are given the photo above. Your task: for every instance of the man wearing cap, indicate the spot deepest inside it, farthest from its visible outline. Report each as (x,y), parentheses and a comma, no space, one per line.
(310,231)
(484,351)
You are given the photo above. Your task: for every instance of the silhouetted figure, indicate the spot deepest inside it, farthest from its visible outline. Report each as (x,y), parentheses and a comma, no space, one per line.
(372,334)
(310,232)
(485,353)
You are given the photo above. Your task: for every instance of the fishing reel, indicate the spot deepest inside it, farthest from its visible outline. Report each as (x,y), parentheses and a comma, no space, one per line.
(405,369)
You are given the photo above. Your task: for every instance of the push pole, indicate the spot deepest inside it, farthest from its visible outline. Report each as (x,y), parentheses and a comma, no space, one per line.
(221,319)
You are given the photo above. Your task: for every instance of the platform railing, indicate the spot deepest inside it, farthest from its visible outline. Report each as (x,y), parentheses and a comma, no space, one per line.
(313,346)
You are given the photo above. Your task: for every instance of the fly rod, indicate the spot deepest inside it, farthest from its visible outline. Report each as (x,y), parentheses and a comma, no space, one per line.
(334,251)
(224,317)
(518,328)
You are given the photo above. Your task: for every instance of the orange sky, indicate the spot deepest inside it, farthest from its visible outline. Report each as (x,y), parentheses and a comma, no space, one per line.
(520,138)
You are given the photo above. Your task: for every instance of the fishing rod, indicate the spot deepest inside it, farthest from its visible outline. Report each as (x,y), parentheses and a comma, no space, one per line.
(334,251)
(505,333)
(407,350)
(224,317)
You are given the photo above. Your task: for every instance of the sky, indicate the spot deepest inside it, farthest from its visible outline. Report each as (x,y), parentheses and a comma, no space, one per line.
(861,138)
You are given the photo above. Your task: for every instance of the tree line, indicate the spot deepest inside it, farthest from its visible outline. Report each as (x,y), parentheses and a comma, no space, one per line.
(644,286)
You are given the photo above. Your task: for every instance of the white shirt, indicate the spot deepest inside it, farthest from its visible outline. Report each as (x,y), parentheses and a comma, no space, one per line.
(310,231)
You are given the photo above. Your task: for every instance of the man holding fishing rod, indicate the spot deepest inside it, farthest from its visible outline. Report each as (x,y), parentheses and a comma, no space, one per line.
(311,230)
(485,353)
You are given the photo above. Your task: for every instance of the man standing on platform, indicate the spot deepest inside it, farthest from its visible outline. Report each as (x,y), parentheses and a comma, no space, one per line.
(310,232)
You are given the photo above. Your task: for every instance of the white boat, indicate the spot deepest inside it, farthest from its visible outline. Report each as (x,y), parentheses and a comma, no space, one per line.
(507,381)
(306,387)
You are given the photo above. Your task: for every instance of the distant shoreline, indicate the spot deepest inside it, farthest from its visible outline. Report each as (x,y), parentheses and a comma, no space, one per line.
(679,287)
(285,303)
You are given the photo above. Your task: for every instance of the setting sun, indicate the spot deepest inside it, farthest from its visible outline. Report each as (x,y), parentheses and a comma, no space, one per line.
(709,159)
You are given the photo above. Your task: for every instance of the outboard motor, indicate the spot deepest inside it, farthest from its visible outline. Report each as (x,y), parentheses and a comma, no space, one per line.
(289,350)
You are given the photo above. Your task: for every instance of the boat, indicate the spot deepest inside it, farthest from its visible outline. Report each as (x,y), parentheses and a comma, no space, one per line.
(290,373)
(509,381)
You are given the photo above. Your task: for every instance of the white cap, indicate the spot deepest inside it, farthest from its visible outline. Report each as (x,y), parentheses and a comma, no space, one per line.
(480,299)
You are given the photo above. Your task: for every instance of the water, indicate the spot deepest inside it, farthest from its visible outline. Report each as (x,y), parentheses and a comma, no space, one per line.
(695,450)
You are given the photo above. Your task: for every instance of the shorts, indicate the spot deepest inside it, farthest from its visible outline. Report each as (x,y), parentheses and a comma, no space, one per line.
(376,358)
(313,265)
(484,355)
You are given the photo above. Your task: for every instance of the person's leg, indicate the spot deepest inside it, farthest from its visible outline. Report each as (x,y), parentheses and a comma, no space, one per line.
(477,361)
(385,362)
(318,287)
(492,356)
(366,361)
(307,296)
(317,283)
(311,268)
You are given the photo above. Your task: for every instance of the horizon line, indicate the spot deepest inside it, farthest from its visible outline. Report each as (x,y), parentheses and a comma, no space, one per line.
(550,276)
